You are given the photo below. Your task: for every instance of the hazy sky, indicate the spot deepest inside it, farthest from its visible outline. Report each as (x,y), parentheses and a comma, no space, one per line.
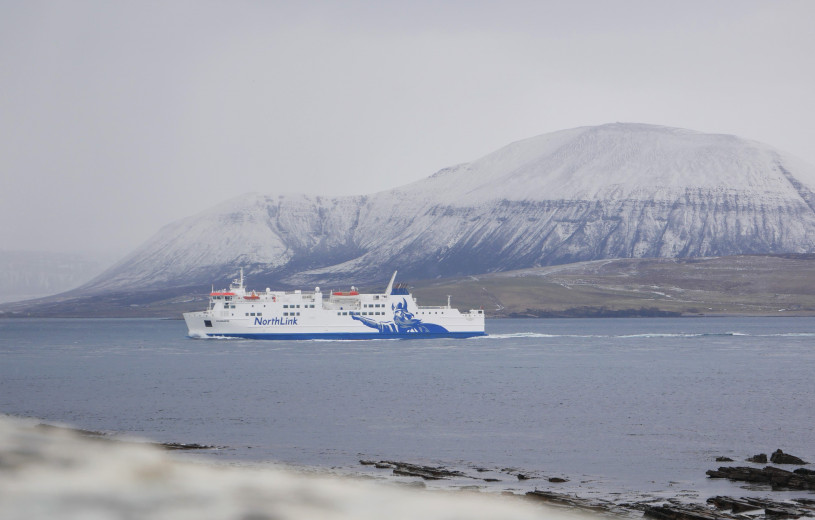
(119,117)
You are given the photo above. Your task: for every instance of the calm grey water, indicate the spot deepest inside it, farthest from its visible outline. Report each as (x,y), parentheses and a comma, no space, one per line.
(634,406)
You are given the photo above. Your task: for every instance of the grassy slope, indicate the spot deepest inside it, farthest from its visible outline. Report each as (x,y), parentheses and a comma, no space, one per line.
(749,285)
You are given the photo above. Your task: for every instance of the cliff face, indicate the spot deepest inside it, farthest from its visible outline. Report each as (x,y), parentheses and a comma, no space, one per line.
(612,191)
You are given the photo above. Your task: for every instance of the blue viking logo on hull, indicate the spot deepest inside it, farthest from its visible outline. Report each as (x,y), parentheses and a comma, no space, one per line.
(403,322)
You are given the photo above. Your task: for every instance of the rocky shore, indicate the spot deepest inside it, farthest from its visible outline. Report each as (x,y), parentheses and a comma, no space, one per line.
(717,507)
(63,455)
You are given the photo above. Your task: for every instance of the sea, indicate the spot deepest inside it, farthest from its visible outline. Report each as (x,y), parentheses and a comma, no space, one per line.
(619,409)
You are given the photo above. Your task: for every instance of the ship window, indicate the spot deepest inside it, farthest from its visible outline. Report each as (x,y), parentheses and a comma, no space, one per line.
(298,306)
(298,314)
(345,314)
(207,323)
(285,306)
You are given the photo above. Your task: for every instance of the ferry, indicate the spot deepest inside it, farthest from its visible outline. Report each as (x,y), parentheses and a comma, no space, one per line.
(293,315)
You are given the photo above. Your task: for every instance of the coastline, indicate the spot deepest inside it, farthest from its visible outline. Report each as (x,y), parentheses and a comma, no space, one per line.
(67,473)
(511,485)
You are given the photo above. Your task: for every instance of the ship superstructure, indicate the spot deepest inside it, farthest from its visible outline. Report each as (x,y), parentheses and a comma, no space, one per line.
(238,312)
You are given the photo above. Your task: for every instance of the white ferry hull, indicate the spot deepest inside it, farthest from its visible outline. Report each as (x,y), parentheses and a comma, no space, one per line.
(269,315)
(236,329)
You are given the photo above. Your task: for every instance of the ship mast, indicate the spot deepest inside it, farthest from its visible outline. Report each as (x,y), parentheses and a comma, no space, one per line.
(390,285)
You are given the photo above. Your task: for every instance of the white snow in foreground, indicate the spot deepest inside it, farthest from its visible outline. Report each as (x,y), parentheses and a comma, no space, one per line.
(48,473)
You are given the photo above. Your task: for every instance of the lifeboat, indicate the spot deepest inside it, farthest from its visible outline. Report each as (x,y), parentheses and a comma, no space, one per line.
(252,296)
(222,294)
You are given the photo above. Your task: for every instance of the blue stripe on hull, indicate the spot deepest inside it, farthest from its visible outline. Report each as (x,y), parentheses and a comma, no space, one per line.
(347,335)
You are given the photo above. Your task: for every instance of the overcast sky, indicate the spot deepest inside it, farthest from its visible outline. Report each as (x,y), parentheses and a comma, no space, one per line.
(119,117)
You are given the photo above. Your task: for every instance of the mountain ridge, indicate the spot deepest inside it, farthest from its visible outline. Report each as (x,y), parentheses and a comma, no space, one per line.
(622,190)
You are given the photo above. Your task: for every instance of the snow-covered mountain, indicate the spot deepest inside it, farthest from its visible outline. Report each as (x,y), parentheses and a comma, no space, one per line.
(25,275)
(612,191)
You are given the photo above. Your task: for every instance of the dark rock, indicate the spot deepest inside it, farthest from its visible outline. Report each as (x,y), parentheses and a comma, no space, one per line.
(181,446)
(779,509)
(557,479)
(683,512)
(776,477)
(779,457)
(521,476)
(735,505)
(367,462)
(415,470)
(761,458)
(804,471)
(571,501)
(491,480)
(724,459)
